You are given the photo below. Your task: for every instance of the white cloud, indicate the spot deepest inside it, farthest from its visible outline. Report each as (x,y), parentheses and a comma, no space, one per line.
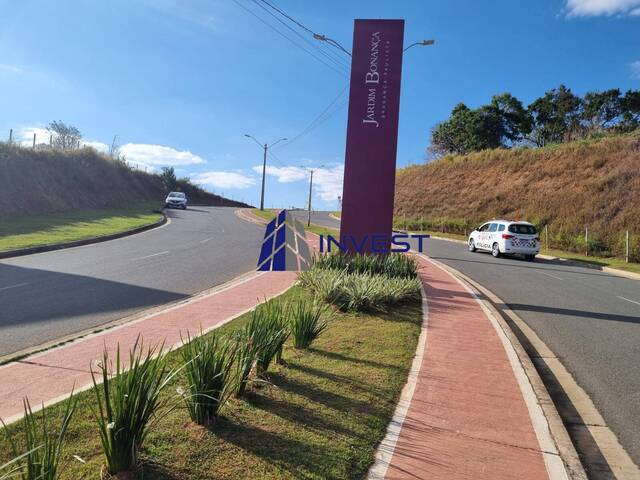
(25,137)
(226,180)
(5,68)
(158,155)
(327,183)
(592,8)
(635,69)
(284,174)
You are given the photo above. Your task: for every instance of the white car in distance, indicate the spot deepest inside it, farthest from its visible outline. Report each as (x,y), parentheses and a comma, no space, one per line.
(176,200)
(506,237)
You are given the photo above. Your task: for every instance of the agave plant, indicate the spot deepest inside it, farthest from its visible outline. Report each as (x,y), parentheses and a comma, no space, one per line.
(208,364)
(305,323)
(128,401)
(43,445)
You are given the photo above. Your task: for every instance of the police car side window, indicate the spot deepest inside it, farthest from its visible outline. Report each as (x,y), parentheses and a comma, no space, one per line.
(501,228)
(484,228)
(493,228)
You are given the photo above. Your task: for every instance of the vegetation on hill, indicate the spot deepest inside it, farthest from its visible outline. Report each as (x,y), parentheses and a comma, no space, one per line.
(558,116)
(591,183)
(44,180)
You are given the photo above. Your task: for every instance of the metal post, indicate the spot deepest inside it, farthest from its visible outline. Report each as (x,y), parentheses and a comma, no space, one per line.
(264,172)
(310,188)
(11,136)
(626,254)
(50,140)
(586,241)
(34,139)
(546,237)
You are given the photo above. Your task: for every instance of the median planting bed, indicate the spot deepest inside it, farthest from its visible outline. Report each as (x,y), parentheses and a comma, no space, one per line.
(313,400)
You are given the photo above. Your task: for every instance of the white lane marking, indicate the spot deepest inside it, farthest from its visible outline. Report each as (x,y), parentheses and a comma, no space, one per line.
(552,276)
(206,240)
(152,255)
(14,286)
(627,300)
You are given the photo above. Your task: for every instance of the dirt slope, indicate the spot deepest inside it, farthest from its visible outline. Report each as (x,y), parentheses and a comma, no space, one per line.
(594,184)
(33,181)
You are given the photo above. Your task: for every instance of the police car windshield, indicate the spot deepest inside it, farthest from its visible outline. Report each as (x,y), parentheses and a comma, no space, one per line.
(522,229)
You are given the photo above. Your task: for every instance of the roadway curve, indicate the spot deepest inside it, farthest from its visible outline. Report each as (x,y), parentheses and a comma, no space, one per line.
(589,319)
(47,296)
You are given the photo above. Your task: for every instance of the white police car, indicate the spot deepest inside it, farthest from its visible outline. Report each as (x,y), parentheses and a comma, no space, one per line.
(502,236)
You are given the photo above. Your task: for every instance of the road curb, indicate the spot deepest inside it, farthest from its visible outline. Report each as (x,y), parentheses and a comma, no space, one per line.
(556,428)
(87,241)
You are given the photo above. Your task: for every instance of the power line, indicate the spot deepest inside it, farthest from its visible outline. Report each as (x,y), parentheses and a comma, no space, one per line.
(288,38)
(336,61)
(322,117)
(317,36)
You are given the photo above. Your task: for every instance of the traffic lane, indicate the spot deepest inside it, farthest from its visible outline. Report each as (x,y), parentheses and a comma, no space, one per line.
(320,218)
(67,291)
(577,311)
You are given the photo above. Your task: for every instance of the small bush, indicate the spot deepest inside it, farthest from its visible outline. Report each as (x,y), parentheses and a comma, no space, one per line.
(43,446)
(208,363)
(393,265)
(128,401)
(360,292)
(306,324)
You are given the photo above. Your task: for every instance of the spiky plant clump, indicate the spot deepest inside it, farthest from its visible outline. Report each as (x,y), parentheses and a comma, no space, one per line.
(393,265)
(208,366)
(128,402)
(306,323)
(270,324)
(43,445)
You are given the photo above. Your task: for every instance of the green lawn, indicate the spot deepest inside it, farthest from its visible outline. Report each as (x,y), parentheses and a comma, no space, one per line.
(268,214)
(320,417)
(35,230)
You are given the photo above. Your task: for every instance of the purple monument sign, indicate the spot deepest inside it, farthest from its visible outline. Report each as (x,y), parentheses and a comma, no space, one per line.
(372,135)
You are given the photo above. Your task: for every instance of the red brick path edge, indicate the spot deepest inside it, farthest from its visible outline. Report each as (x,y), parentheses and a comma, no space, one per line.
(49,376)
(466,411)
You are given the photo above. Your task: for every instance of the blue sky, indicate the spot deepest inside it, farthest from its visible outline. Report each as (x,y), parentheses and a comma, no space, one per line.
(181,81)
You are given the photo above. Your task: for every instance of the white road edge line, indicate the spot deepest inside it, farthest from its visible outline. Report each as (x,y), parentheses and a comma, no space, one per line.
(152,255)
(206,240)
(552,276)
(384,452)
(14,286)
(627,300)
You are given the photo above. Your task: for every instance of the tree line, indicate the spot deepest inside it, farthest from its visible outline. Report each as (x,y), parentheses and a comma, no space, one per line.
(558,116)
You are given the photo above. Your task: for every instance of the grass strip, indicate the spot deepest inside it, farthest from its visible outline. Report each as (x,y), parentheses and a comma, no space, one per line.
(25,231)
(320,416)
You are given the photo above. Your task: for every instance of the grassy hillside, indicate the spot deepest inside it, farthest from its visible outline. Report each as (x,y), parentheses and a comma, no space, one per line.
(591,183)
(45,181)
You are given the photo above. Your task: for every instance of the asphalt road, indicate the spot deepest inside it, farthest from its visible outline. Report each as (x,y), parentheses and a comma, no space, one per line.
(46,296)
(589,319)
(318,218)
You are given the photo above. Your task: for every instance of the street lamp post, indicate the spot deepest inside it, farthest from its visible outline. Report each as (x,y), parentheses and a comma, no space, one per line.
(265,147)
(422,43)
(310,191)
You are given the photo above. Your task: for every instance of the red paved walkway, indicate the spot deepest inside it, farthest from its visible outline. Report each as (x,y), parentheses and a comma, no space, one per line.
(467,418)
(49,375)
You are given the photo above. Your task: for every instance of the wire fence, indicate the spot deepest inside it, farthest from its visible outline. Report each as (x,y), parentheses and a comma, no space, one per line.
(591,242)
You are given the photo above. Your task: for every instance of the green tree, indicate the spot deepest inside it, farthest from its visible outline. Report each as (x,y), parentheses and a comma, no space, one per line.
(168,177)
(630,108)
(64,137)
(602,110)
(515,120)
(556,117)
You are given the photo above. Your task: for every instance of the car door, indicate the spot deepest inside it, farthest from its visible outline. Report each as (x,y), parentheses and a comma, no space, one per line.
(492,235)
(483,233)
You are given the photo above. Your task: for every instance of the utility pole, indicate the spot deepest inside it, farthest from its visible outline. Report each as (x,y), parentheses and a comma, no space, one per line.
(626,253)
(34,139)
(310,192)
(310,189)
(264,163)
(11,136)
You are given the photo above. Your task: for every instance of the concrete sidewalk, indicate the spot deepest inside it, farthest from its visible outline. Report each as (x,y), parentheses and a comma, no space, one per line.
(49,376)
(464,413)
